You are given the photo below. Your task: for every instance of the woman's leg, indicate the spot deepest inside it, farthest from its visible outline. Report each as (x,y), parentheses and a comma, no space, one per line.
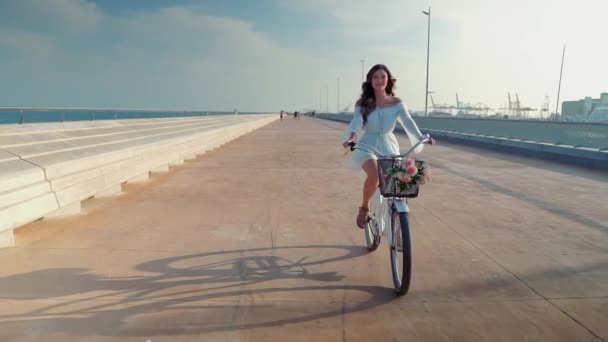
(369,187)
(371,182)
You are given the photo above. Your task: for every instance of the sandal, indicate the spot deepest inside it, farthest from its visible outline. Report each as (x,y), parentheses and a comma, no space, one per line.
(363,217)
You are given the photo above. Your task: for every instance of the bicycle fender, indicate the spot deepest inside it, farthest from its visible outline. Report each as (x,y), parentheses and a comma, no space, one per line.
(402,207)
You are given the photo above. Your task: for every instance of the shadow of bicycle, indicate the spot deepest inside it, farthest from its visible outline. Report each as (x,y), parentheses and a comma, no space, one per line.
(191,294)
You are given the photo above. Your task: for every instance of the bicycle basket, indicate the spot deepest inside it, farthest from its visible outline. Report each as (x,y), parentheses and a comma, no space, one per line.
(389,184)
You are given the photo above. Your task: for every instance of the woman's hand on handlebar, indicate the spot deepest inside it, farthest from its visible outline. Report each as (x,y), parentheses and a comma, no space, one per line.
(348,143)
(428,139)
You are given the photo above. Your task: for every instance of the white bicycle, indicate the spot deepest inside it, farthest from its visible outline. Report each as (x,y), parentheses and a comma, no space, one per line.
(389,204)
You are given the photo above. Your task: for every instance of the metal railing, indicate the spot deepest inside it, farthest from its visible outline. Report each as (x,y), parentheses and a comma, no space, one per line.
(577,134)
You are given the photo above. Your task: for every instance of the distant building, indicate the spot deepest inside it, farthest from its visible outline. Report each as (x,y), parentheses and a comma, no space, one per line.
(584,109)
(599,114)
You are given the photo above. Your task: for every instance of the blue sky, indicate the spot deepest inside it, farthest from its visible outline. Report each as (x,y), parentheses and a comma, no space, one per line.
(268,55)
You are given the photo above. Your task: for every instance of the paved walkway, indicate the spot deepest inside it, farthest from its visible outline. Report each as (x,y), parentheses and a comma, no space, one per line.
(256,241)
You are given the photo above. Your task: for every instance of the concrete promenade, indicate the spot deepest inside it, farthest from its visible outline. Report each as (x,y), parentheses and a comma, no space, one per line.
(256,241)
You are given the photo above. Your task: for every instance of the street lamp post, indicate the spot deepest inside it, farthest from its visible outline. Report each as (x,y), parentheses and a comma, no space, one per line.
(560,82)
(428,44)
(338,101)
(320,100)
(326,98)
(362,67)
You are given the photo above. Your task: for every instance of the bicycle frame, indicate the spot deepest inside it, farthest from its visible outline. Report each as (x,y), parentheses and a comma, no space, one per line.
(386,211)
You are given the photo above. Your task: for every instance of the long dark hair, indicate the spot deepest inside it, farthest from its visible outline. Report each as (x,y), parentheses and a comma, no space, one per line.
(367,100)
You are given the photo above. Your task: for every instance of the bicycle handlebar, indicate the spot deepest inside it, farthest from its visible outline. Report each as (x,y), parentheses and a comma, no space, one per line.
(426,138)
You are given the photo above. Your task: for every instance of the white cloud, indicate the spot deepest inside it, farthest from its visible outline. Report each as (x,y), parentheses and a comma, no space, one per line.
(27,43)
(481,49)
(50,15)
(363,18)
(218,62)
(178,58)
(197,35)
(171,58)
(516,46)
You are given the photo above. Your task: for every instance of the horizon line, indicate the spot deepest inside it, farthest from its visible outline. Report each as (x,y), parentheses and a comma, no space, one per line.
(119,109)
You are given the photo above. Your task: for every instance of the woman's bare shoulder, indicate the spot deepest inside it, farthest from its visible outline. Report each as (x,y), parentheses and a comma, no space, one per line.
(396,100)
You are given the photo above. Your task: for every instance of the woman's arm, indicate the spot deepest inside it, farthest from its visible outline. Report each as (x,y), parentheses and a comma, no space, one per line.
(409,126)
(354,128)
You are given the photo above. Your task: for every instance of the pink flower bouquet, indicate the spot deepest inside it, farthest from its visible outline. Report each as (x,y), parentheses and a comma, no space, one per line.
(413,172)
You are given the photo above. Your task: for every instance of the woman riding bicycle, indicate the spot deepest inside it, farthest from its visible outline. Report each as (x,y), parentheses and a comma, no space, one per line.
(376,114)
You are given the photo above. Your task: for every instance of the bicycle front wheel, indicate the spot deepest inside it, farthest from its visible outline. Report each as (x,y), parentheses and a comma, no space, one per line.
(401,252)
(373,226)
(372,234)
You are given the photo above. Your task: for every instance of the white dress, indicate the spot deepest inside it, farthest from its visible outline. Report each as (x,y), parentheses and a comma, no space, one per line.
(378,132)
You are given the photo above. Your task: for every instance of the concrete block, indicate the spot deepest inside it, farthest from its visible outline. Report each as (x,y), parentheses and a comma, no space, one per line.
(160,169)
(24,193)
(141,178)
(68,210)
(7,239)
(26,211)
(114,190)
(5,156)
(18,173)
(177,162)
(47,169)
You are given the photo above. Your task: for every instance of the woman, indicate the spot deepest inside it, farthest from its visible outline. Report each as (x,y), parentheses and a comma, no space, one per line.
(376,114)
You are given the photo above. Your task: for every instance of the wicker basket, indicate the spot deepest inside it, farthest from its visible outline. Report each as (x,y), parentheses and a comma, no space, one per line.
(389,184)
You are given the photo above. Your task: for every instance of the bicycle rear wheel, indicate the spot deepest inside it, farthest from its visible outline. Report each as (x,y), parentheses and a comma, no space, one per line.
(401,252)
